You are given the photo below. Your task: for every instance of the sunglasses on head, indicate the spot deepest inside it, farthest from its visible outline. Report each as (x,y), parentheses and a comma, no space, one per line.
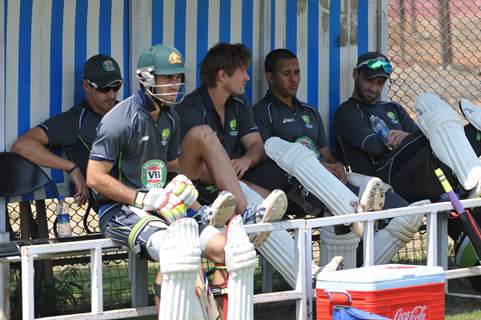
(115,86)
(377,65)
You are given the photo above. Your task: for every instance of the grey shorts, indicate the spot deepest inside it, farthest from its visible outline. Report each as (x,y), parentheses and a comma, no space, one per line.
(122,220)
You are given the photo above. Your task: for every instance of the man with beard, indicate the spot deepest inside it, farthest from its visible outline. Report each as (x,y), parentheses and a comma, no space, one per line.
(379,138)
(406,156)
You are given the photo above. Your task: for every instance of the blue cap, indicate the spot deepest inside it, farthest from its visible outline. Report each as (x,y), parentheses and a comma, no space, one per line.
(61,197)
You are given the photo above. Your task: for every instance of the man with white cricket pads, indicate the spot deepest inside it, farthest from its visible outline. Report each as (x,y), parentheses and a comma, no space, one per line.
(137,142)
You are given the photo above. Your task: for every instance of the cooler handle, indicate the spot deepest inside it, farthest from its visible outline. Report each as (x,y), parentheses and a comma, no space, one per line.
(330,295)
(338,298)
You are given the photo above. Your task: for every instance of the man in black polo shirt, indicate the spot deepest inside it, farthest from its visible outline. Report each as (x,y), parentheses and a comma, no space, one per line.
(219,105)
(74,130)
(405,155)
(400,152)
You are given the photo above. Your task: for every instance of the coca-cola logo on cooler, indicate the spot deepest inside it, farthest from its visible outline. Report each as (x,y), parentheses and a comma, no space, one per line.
(419,312)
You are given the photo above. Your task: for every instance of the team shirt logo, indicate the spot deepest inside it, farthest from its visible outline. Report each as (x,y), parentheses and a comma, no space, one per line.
(392,117)
(307,121)
(233,127)
(153,174)
(108,65)
(165,136)
(287,120)
(309,144)
(174,58)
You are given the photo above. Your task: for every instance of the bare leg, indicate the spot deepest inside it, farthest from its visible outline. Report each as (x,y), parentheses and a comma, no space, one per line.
(214,252)
(202,147)
(158,282)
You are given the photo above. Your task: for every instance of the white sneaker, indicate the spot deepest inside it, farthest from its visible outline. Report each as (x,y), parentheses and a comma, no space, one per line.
(219,212)
(371,195)
(471,112)
(371,198)
(272,209)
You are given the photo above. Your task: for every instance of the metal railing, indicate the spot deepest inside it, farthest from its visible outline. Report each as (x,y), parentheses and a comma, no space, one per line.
(303,293)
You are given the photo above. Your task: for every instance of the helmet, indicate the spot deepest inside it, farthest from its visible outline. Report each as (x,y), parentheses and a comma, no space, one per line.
(160,60)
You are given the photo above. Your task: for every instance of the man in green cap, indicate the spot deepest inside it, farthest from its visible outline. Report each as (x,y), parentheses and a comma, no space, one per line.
(137,142)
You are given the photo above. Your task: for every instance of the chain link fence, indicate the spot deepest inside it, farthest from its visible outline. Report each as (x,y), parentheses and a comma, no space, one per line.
(435,45)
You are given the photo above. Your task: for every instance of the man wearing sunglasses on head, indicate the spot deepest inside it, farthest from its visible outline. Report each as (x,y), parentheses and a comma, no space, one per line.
(379,138)
(74,130)
(404,154)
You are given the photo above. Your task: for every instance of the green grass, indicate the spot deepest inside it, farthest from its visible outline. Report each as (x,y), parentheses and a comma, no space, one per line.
(462,308)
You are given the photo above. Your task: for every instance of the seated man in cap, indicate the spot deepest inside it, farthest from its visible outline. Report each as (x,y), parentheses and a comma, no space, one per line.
(379,138)
(74,129)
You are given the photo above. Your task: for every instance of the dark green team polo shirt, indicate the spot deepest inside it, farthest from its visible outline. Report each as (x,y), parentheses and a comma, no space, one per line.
(198,109)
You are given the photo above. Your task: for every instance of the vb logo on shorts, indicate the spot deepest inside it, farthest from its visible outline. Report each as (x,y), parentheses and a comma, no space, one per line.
(153,174)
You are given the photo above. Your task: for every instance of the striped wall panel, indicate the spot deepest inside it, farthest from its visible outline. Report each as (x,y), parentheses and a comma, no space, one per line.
(326,35)
(46,44)
(193,26)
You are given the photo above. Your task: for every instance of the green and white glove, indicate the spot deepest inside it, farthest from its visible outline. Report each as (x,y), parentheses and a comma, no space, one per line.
(183,188)
(163,203)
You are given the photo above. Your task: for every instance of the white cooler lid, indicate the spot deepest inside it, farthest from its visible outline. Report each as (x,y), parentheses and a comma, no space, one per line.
(380,277)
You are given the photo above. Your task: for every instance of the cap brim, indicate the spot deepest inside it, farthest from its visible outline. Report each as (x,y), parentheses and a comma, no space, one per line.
(374,73)
(105,81)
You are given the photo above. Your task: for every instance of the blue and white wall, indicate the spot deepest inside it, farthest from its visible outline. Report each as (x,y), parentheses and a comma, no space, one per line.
(46,42)
(327,36)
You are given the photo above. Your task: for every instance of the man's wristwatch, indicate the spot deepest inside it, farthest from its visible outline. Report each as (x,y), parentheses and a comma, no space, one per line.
(139,199)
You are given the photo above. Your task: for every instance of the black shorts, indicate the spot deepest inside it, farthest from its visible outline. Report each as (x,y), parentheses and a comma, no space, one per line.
(268,175)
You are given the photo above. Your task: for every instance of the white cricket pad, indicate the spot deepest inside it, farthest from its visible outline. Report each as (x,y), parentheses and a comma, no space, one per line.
(471,112)
(399,231)
(302,163)
(332,245)
(444,129)
(279,247)
(279,250)
(240,260)
(180,261)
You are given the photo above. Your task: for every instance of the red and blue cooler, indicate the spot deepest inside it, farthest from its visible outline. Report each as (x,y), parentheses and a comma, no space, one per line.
(396,291)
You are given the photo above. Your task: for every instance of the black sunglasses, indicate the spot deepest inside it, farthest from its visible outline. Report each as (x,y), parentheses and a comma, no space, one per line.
(115,86)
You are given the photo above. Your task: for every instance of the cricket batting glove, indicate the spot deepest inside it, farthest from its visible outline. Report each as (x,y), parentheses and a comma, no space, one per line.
(182,187)
(165,204)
